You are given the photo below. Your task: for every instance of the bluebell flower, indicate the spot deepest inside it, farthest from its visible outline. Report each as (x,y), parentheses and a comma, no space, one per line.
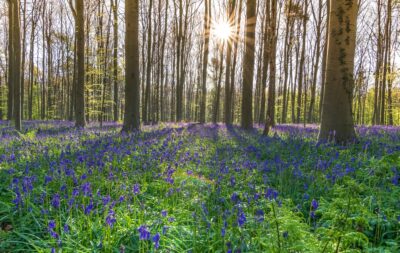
(110,219)
(235,197)
(156,240)
(144,233)
(241,218)
(314,204)
(52,224)
(66,228)
(164,213)
(259,216)
(55,202)
(136,189)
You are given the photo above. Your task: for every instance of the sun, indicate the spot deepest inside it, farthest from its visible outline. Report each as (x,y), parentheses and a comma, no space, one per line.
(222,30)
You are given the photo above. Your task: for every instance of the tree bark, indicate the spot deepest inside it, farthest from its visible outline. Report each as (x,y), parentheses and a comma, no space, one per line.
(248,66)
(337,119)
(132,79)
(80,54)
(207,24)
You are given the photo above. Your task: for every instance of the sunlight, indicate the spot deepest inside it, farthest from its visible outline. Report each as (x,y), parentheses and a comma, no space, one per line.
(222,30)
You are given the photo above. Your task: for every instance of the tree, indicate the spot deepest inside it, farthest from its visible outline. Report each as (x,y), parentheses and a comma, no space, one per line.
(272,67)
(15,60)
(228,83)
(206,32)
(248,66)
(114,6)
(132,79)
(337,120)
(78,13)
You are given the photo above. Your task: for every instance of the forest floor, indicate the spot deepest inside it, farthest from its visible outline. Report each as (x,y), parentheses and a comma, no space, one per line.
(194,188)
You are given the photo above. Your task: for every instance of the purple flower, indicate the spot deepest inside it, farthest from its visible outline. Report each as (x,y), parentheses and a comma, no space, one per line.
(271,194)
(164,213)
(110,219)
(89,208)
(259,215)
(144,234)
(314,204)
(86,189)
(156,240)
(136,189)
(52,224)
(66,228)
(55,202)
(106,200)
(241,218)
(235,197)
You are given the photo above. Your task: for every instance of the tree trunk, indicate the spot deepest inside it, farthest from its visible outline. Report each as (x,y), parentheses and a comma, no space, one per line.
(146,105)
(248,66)
(80,54)
(10,95)
(302,61)
(337,119)
(16,50)
(114,5)
(228,84)
(270,121)
(266,60)
(207,25)
(310,117)
(386,61)
(132,79)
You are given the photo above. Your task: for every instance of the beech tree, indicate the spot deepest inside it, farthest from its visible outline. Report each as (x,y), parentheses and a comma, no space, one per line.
(132,78)
(337,119)
(248,65)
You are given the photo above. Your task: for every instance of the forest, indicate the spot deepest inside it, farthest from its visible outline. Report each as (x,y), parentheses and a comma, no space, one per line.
(200,126)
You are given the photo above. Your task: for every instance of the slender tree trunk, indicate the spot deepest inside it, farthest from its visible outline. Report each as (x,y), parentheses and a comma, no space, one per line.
(270,121)
(228,84)
(114,4)
(266,60)
(248,66)
(146,105)
(80,54)
(386,61)
(10,95)
(218,86)
(302,61)
(376,118)
(310,117)
(16,44)
(206,32)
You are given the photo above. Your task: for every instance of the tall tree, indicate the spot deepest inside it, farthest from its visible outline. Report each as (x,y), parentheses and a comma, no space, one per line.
(272,67)
(78,12)
(146,105)
(337,118)
(302,63)
(114,6)
(10,62)
(248,66)
(132,79)
(228,83)
(15,60)
(206,32)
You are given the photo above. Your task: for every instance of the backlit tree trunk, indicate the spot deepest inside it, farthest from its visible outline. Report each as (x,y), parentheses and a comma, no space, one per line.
(248,66)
